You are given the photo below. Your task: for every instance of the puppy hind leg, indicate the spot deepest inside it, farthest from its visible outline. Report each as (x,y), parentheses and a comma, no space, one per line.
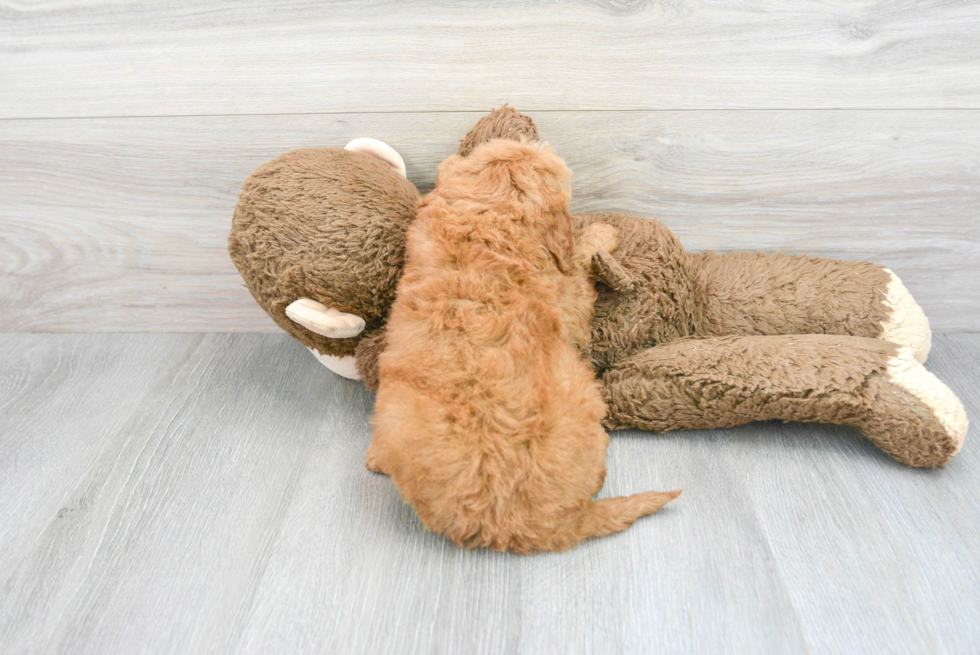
(579,296)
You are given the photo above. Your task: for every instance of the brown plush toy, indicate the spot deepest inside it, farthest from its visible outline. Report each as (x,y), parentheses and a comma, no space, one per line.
(319,237)
(679,340)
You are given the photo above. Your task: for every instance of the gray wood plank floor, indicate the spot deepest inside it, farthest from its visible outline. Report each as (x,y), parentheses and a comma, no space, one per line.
(207,494)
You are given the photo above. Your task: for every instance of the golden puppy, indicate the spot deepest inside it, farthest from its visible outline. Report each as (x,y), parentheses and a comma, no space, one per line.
(487,420)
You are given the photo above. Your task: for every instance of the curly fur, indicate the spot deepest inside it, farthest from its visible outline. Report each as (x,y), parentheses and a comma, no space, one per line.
(487,419)
(503,123)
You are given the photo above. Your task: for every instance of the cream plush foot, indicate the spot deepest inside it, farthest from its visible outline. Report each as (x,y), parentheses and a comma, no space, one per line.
(906,371)
(906,323)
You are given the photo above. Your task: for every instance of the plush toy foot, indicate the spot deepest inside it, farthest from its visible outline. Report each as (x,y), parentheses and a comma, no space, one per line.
(915,418)
(874,385)
(906,323)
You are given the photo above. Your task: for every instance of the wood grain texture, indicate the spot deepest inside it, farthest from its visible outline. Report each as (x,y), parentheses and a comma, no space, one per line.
(164,537)
(108,58)
(54,426)
(230,511)
(121,224)
(874,553)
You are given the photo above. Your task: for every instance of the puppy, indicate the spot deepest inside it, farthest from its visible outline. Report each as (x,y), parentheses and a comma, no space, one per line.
(487,420)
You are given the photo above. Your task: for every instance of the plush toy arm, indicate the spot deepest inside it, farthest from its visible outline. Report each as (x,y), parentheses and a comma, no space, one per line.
(876,386)
(755,293)
(594,244)
(611,273)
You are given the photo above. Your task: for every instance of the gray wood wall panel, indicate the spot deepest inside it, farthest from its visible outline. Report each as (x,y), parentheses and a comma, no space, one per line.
(121,224)
(105,58)
(228,510)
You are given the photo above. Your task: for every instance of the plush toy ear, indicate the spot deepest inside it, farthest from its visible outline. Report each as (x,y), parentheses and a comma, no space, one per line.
(326,321)
(379,149)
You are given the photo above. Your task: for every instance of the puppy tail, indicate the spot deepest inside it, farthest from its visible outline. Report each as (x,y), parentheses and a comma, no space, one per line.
(612,515)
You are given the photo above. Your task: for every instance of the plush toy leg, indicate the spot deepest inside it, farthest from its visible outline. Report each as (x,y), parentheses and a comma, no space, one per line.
(874,385)
(754,293)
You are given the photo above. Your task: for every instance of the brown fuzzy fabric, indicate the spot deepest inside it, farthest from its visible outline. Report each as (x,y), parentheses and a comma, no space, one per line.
(754,293)
(325,224)
(666,302)
(677,294)
(503,123)
(699,383)
(486,419)
(611,273)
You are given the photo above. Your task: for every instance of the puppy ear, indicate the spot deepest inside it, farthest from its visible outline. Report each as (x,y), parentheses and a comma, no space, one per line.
(446,167)
(560,243)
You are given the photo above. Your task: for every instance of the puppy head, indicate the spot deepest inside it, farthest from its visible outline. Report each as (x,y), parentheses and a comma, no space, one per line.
(503,123)
(507,170)
(523,179)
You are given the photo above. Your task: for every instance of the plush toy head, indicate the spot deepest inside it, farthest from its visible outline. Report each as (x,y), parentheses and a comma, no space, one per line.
(319,236)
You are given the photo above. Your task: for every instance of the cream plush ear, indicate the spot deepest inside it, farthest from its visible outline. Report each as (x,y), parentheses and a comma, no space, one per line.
(326,321)
(378,149)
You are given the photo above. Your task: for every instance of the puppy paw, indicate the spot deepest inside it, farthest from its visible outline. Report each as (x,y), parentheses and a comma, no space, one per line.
(906,323)
(598,237)
(372,461)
